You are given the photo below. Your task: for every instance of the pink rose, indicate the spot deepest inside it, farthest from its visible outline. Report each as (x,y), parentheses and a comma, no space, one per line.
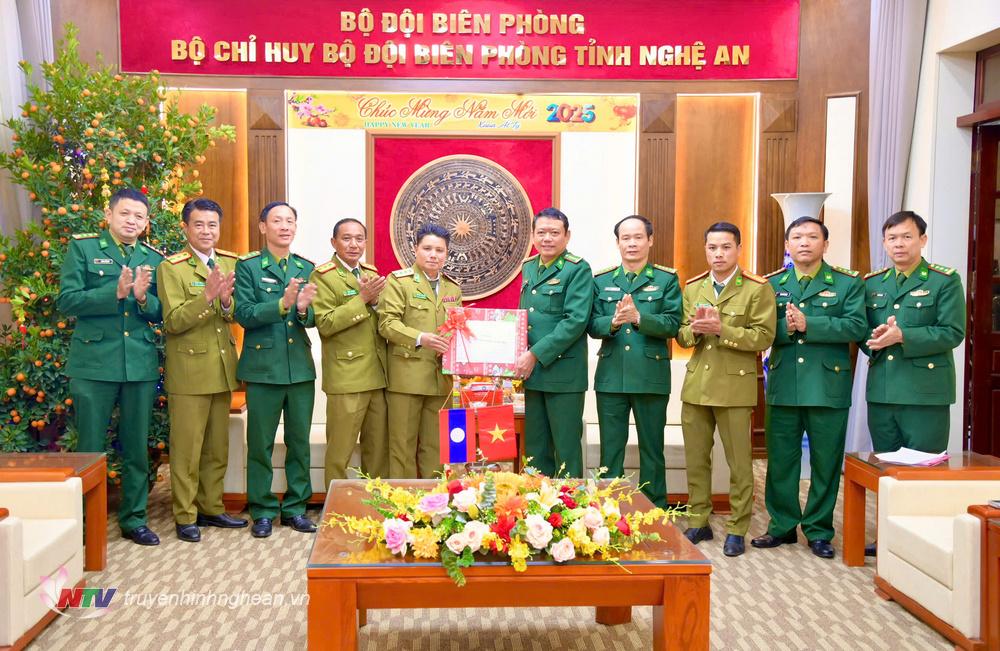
(601,536)
(563,551)
(464,499)
(474,532)
(592,518)
(434,504)
(456,542)
(539,531)
(397,535)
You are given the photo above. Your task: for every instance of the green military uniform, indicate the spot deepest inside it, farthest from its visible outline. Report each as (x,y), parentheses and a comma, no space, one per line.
(278,367)
(633,368)
(353,371)
(559,297)
(112,357)
(720,389)
(911,385)
(809,389)
(417,389)
(200,377)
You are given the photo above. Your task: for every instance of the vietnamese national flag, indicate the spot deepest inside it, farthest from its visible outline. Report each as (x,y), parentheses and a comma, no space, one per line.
(457,442)
(496,432)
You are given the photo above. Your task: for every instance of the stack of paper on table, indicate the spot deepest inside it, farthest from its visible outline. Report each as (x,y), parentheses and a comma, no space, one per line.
(908,457)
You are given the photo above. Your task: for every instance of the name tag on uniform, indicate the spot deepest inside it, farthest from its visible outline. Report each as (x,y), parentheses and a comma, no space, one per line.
(782,294)
(554,281)
(420,295)
(612,289)
(351,292)
(650,288)
(269,280)
(919,292)
(878,294)
(103,261)
(827,293)
(449,299)
(198,283)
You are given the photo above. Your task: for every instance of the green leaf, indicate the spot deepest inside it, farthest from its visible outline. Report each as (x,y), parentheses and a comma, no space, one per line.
(450,561)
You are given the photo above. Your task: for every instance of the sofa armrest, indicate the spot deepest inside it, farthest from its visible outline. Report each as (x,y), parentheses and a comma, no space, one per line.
(933,496)
(967,574)
(12,623)
(38,500)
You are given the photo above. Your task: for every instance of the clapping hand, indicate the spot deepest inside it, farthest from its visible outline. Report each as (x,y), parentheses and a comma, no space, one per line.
(291,292)
(885,335)
(706,321)
(125,282)
(371,287)
(140,283)
(794,318)
(305,297)
(226,289)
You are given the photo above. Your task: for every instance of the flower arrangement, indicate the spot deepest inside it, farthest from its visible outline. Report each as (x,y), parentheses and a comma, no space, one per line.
(513,515)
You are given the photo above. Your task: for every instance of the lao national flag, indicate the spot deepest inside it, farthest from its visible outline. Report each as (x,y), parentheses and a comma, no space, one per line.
(496,432)
(457,442)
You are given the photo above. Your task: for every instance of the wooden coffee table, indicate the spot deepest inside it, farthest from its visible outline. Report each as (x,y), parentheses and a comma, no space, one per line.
(347,576)
(991,574)
(92,469)
(862,471)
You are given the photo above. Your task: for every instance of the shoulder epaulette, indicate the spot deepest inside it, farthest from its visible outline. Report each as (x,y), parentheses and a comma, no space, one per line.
(178,257)
(403,273)
(449,278)
(154,249)
(753,277)
(876,273)
(941,269)
(326,266)
(847,272)
(698,277)
(776,272)
(529,258)
(304,259)
(84,236)
(369,267)
(604,271)
(252,254)
(575,259)
(226,254)
(669,270)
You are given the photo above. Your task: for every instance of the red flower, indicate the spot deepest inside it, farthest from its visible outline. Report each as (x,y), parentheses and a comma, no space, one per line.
(403,517)
(623,527)
(568,501)
(565,488)
(555,519)
(144,190)
(455,486)
(503,526)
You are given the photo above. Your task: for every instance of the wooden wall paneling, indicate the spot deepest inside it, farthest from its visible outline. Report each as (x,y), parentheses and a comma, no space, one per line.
(266,149)
(657,171)
(776,174)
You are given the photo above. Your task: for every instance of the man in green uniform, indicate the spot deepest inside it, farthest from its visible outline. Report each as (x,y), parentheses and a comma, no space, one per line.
(637,310)
(557,289)
(917,314)
(347,291)
(729,318)
(820,312)
(109,285)
(196,289)
(274,305)
(411,309)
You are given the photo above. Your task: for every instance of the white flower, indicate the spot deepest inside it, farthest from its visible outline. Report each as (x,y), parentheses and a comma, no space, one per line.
(539,531)
(546,497)
(464,499)
(456,542)
(592,518)
(601,536)
(563,551)
(474,532)
(611,510)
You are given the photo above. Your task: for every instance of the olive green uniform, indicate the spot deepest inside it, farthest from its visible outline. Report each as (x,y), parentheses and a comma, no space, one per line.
(200,377)
(720,389)
(809,389)
(633,369)
(278,367)
(112,358)
(417,389)
(911,385)
(559,297)
(353,371)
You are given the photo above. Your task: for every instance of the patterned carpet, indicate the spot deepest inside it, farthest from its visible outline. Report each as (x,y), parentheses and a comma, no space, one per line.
(783,598)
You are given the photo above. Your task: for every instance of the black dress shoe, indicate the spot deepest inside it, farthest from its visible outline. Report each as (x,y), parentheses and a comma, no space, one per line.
(261,528)
(697,534)
(821,548)
(767,540)
(223,520)
(872,549)
(142,535)
(300,523)
(189,532)
(734,545)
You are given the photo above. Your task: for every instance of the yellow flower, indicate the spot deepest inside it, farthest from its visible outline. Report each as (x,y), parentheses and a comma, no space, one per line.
(402,499)
(425,542)
(519,554)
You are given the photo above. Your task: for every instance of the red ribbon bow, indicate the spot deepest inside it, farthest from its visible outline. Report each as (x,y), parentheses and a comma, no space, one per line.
(457,322)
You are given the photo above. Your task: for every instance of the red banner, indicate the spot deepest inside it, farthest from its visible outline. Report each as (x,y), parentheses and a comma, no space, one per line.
(557,39)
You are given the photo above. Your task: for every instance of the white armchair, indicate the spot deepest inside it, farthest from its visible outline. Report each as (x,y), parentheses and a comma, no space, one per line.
(930,550)
(41,533)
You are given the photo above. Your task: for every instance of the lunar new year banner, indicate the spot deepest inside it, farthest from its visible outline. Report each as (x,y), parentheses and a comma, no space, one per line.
(521,39)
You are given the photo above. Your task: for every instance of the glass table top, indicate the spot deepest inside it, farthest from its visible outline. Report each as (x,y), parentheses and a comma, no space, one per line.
(78,461)
(955,462)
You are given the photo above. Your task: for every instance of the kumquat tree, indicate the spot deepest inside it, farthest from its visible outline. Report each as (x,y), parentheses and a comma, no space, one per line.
(91,132)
